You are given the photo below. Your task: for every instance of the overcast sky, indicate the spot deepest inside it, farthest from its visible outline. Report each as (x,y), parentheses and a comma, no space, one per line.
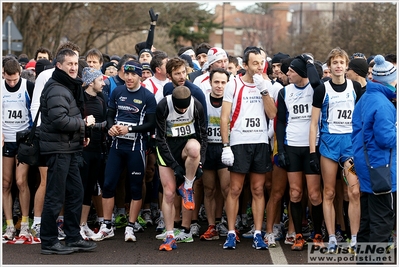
(240,5)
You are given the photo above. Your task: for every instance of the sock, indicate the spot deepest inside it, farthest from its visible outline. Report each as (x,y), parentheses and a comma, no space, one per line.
(317,217)
(37,220)
(188,183)
(172,233)
(257,232)
(10,222)
(353,240)
(130,224)
(218,220)
(60,218)
(332,239)
(194,221)
(186,230)
(296,213)
(161,214)
(25,219)
(232,232)
(100,219)
(108,223)
(177,224)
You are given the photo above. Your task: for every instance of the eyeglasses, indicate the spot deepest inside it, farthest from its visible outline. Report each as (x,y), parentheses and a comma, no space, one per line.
(132,68)
(112,68)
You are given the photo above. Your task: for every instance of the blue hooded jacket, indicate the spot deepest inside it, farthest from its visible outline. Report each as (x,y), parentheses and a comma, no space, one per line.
(374,124)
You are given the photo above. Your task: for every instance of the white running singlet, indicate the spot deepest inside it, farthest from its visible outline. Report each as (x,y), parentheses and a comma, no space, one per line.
(248,123)
(179,125)
(213,121)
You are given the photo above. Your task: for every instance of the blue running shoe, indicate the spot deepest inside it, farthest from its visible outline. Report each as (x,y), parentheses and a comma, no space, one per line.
(259,243)
(169,244)
(230,242)
(332,248)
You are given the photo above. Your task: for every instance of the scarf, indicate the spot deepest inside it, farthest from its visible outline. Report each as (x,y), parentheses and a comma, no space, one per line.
(74,85)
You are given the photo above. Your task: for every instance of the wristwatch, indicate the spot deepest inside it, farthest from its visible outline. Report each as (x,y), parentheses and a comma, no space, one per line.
(226,144)
(130,128)
(265,92)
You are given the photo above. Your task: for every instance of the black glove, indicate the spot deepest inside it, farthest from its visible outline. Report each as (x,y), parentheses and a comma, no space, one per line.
(99,125)
(314,162)
(154,17)
(179,173)
(306,58)
(283,159)
(199,171)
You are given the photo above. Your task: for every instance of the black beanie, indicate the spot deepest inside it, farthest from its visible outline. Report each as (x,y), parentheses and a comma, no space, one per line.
(279,56)
(299,66)
(285,63)
(360,66)
(41,65)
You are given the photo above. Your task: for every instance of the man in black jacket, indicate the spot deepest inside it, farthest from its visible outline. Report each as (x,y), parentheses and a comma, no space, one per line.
(62,137)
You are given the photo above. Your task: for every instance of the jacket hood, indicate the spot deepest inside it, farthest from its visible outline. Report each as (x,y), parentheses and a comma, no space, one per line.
(373,86)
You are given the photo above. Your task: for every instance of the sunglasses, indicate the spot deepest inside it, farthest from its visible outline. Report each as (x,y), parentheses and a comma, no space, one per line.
(132,68)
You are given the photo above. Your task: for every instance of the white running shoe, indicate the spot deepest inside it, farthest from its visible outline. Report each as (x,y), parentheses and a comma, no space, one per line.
(161,224)
(86,232)
(10,233)
(103,233)
(24,230)
(183,237)
(195,229)
(129,234)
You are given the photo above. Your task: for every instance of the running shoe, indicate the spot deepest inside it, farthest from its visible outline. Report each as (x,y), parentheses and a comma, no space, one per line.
(183,237)
(141,221)
(230,242)
(103,233)
(187,197)
(289,238)
(9,233)
(332,247)
(250,233)
(121,221)
(202,213)
(61,234)
(86,232)
(318,241)
(195,229)
(222,229)
(163,235)
(278,231)
(129,234)
(146,215)
(210,234)
(244,220)
(270,240)
(237,235)
(35,230)
(161,224)
(299,243)
(238,224)
(137,227)
(169,244)
(24,232)
(258,243)
(352,249)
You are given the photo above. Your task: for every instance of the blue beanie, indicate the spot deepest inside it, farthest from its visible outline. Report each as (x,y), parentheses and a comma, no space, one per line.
(133,67)
(383,71)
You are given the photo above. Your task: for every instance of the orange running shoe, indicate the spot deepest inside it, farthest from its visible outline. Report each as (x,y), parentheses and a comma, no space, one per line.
(187,197)
(169,244)
(210,234)
(299,243)
(318,241)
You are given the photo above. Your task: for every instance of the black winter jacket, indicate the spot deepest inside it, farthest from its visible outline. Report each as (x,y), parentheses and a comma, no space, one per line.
(62,128)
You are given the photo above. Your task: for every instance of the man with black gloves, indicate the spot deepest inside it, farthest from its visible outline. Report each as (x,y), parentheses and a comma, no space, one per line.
(150,37)
(292,131)
(131,115)
(181,145)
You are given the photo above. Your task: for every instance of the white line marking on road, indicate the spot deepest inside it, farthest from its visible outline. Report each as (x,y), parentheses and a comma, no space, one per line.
(277,255)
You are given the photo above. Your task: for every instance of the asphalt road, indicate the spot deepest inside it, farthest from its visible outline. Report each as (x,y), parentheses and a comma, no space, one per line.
(115,251)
